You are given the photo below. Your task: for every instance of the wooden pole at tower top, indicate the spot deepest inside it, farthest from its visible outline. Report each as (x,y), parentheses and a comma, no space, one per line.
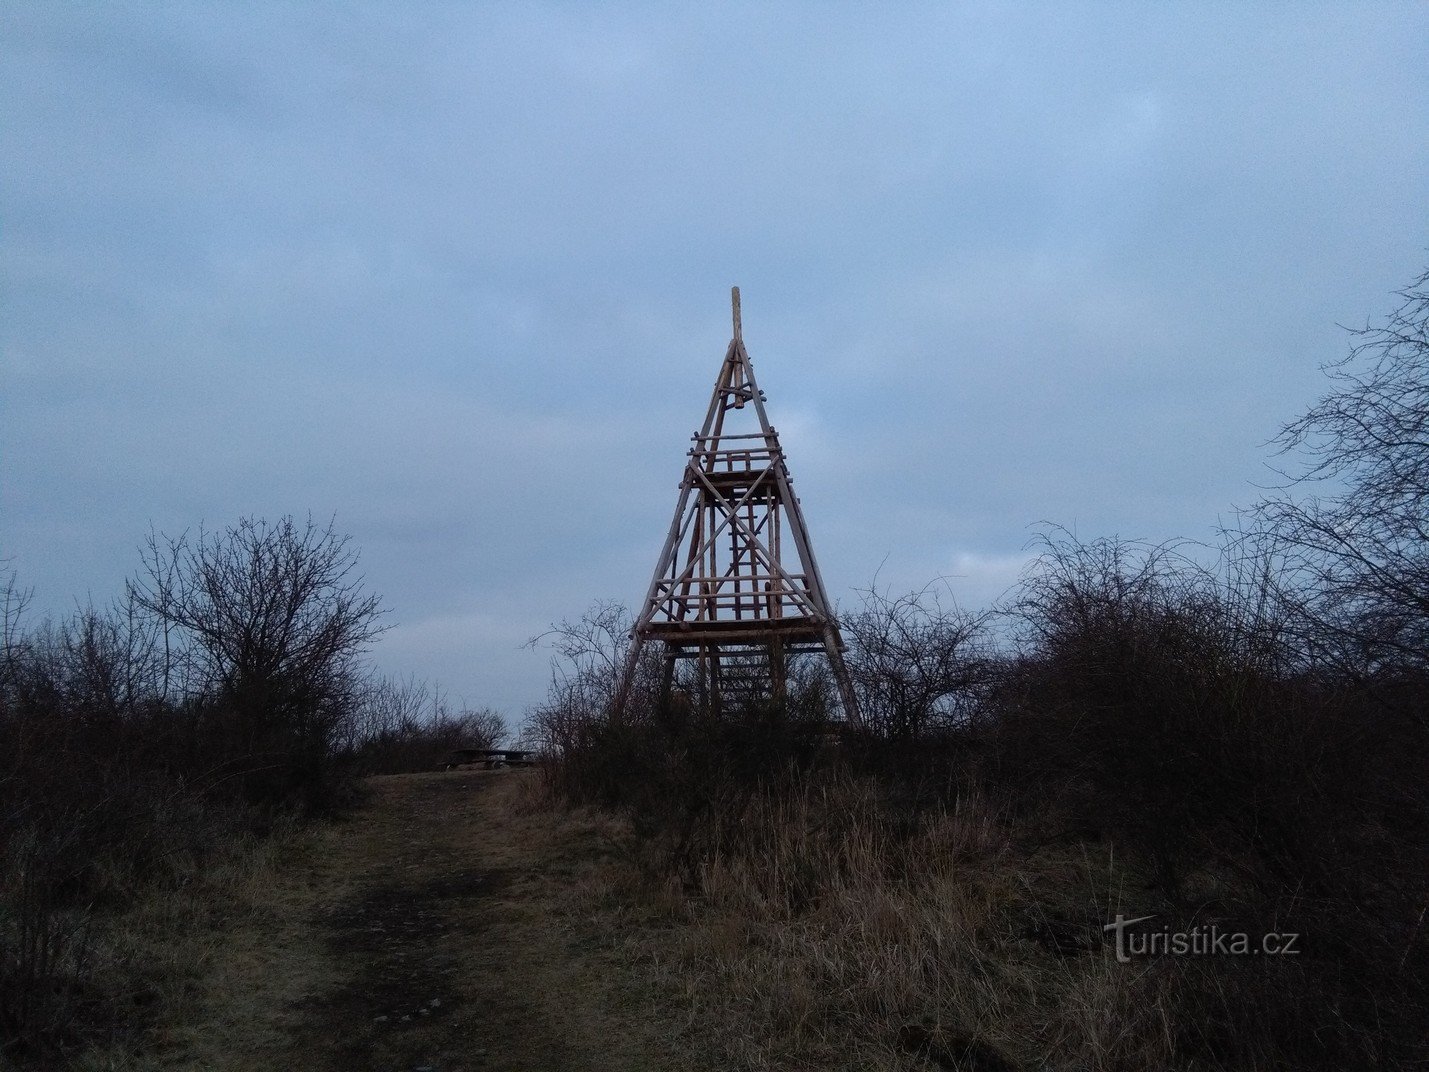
(734,302)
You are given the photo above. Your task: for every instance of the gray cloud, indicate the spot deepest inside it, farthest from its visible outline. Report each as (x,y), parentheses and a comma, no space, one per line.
(457,275)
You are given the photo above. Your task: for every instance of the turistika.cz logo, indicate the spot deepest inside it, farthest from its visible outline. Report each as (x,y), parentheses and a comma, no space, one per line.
(1207,941)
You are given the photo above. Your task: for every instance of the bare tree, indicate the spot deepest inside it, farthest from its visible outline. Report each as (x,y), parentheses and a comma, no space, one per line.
(404,724)
(1358,543)
(269,619)
(585,670)
(106,660)
(483,727)
(13,600)
(391,709)
(913,660)
(594,647)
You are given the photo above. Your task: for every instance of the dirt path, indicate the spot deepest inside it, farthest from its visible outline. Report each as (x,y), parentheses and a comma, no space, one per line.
(446,927)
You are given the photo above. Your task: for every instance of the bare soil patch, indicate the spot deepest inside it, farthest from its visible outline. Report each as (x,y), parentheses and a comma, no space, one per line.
(446,927)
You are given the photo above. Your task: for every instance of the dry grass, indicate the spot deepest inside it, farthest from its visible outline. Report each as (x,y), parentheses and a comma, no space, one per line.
(836,940)
(154,965)
(831,943)
(826,934)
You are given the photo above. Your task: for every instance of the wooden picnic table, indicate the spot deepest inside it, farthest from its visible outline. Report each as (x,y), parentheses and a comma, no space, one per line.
(490,758)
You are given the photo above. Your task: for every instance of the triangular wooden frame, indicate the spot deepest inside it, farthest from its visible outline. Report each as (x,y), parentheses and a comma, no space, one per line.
(721,593)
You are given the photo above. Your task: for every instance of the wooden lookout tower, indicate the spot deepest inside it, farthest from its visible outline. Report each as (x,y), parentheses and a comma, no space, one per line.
(736,590)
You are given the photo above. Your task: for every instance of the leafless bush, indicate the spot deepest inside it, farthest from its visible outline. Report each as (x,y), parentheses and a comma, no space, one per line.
(1151,697)
(1167,707)
(403,725)
(43,940)
(260,603)
(916,664)
(1353,526)
(97,804)
(576,724)
(136,739)
(266,625)
(587,668)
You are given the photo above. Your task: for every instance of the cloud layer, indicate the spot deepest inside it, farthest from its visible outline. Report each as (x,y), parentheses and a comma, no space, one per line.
(458,275)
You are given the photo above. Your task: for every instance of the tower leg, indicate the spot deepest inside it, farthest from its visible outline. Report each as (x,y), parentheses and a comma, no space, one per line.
(702,679)
(627,680)
(778,671)
(667,677)
(716,681)
(842,679)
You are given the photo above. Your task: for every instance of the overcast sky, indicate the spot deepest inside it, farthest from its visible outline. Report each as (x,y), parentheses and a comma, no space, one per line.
(458,276)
